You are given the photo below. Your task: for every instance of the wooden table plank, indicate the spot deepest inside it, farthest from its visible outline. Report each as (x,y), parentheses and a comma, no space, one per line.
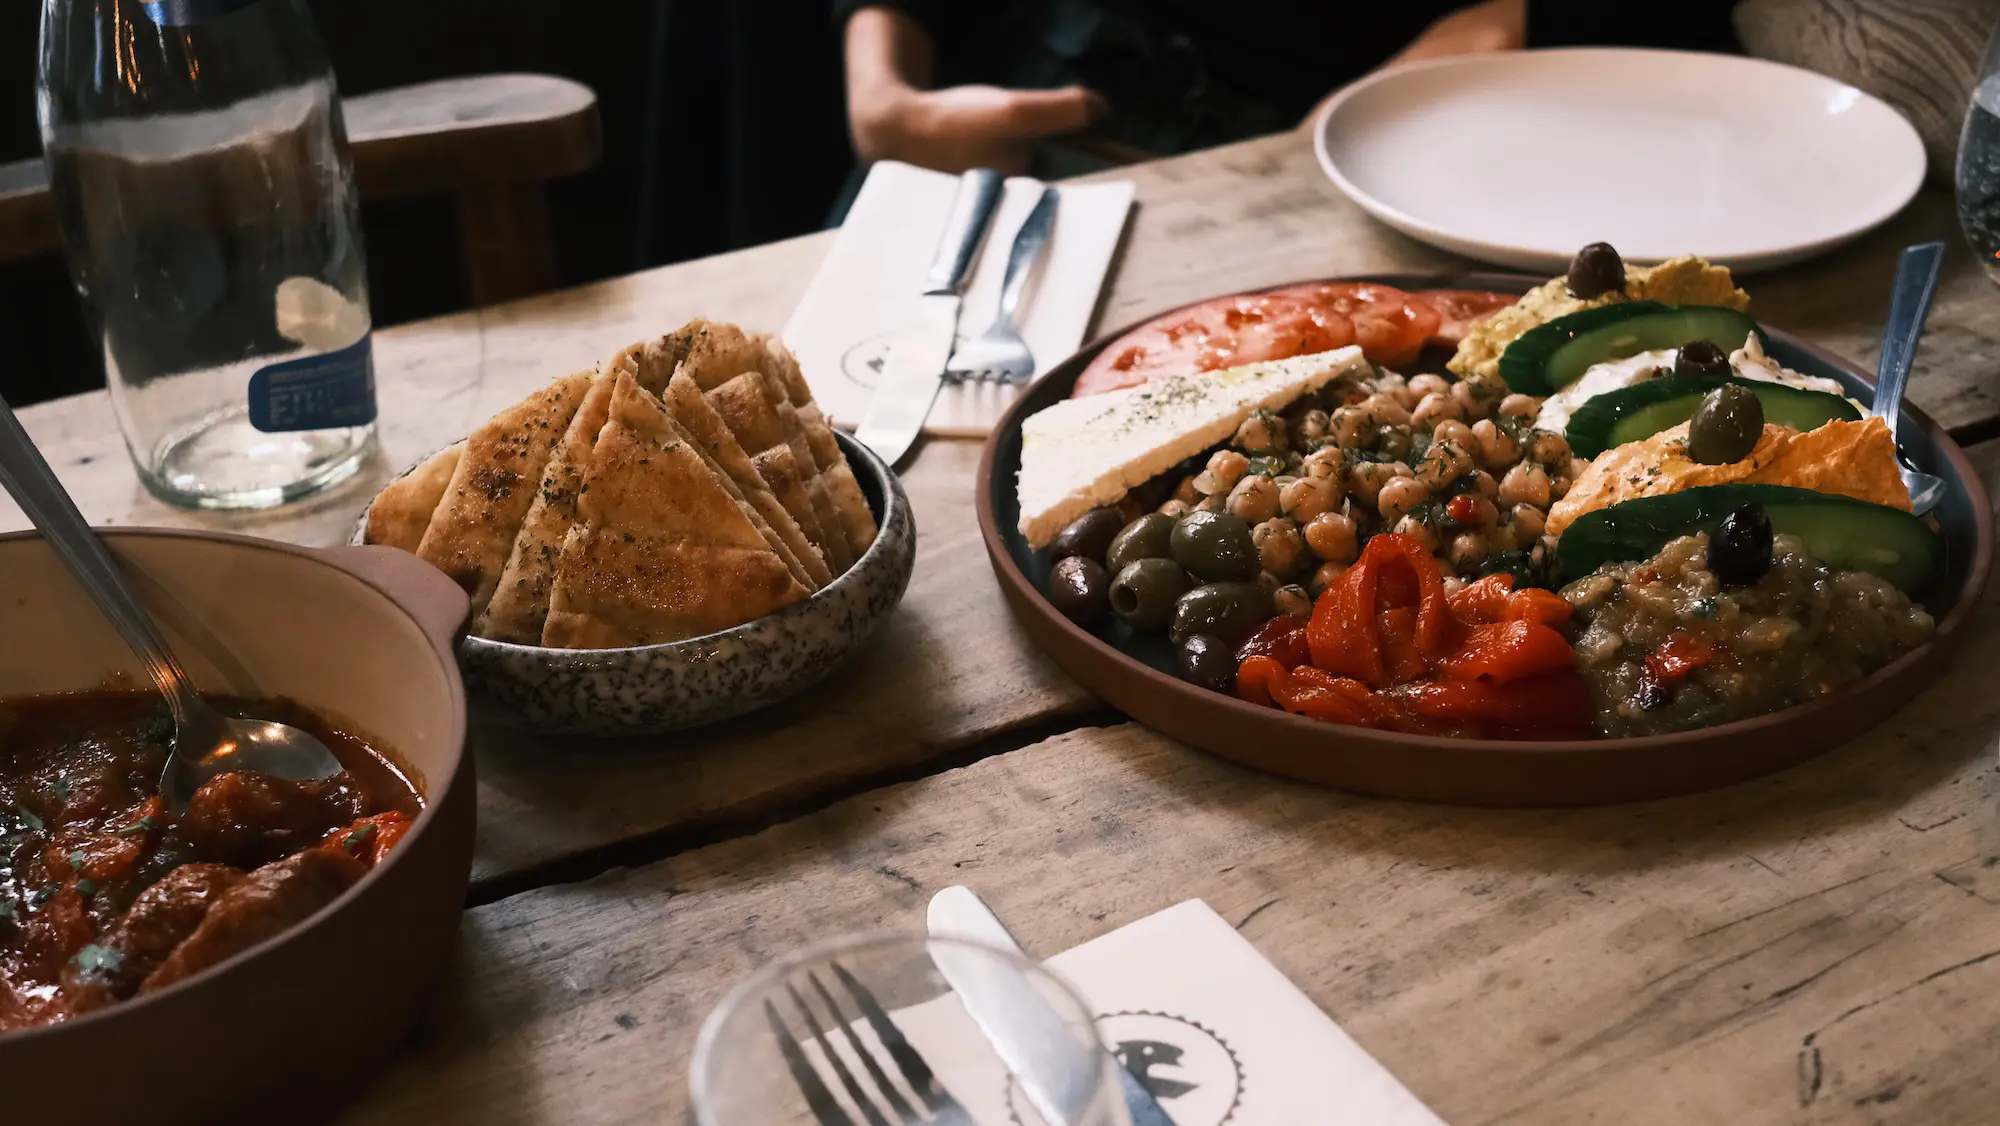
(951,672)
(1822,945)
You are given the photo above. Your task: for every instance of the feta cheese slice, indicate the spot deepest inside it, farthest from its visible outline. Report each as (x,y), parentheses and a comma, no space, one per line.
(1082,453)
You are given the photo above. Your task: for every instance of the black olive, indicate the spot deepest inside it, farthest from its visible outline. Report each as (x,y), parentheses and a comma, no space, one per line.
(1089,535)
(1739,550)
(1230,611)
(1653,695)
(1144,593)
(1595,271)
(1726,426)
(1203,659)
(1080,590)
(1148,537)
(1215,547)
(1699,357)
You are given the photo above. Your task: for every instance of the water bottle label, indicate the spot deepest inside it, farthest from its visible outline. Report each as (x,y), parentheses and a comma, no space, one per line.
(316,392)
(181,13)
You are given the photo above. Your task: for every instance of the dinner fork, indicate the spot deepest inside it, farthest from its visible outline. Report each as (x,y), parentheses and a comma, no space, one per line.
(879,1093)
(999,355)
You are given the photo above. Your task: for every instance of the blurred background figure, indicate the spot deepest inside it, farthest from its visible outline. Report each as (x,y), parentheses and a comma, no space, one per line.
(949,85)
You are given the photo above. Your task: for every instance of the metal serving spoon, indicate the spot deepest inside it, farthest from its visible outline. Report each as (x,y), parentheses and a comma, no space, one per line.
(206,742)
(1909,306)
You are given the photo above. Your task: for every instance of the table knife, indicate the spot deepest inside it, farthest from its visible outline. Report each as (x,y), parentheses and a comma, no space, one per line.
(915,368)
(1015,1019)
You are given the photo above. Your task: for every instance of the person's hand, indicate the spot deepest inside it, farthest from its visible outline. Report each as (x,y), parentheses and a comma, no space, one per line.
(961,127)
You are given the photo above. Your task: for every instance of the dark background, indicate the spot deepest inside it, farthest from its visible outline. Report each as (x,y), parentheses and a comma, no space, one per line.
(681,86)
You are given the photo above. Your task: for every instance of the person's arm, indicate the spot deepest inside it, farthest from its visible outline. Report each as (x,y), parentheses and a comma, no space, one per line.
(894,114)
(1493,25)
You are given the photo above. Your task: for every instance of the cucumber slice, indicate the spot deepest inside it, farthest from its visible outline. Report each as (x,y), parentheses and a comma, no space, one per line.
(1551,356)
(1642,410)
(1843,533)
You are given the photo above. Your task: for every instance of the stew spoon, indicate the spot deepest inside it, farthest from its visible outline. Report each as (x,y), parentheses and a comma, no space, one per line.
(206,742)
(1909,307)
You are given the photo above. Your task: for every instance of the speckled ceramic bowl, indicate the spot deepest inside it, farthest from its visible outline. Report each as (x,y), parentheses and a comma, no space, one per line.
(653,688)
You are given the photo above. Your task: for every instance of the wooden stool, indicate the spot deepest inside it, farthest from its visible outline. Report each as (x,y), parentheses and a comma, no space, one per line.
(491,142)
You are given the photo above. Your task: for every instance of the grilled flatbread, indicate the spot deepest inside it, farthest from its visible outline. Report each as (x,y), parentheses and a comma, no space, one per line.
(401,512)
(471,535)
(661,551)
(781,372)
(745,402)
(685,402)
(520,604)
(654,365)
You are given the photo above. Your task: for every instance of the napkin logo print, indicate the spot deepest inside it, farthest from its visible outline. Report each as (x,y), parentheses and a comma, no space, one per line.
(1181,1062)
(864,360)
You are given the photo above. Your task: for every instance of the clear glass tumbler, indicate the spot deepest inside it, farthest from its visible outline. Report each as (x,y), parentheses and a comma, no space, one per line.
(1978,178)
(811,1036)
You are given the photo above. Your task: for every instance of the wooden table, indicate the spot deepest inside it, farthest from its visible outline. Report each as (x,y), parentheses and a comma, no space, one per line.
(1821,946)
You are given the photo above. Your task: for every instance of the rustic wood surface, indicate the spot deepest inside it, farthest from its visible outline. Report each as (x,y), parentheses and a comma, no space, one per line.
(1820,946)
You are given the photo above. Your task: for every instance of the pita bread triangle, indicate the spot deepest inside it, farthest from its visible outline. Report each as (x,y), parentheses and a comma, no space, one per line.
(660,551)
(520,604)
(471,535)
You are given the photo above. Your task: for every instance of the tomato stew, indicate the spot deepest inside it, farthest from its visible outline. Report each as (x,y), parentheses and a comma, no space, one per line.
(104,895)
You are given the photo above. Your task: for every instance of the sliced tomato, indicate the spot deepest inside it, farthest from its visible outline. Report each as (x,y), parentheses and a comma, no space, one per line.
(1457,310)
(1389,324)
(1223,333)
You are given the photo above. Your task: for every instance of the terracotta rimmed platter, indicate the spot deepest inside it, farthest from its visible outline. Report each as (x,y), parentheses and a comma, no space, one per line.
(1134,674)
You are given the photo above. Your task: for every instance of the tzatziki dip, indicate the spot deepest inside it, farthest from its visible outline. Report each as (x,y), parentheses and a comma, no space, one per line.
(1747,362)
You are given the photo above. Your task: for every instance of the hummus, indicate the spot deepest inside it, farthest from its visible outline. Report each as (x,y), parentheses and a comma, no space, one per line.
(1686,280)
(1847,458)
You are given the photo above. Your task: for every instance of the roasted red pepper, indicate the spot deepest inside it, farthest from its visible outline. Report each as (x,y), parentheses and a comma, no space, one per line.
(1505,652)
(1345,634)
(1282,638)
(1556,703)
(1385,647)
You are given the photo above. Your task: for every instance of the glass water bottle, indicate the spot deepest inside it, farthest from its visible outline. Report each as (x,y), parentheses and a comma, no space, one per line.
(200,169)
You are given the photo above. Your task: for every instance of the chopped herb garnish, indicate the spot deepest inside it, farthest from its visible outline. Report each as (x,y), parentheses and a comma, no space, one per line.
(42,895)
(99,958)
(357,840)
(7,909)
(142,825)
(1704,608)
(86,888)
(159,726)
(1267,466)
(28,817)
(77,857)
(62,788)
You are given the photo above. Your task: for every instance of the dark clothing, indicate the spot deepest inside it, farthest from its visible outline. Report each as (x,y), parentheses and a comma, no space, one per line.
(1187,74)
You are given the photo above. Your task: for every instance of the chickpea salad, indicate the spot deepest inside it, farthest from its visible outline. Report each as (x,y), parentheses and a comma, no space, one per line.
(1604,515)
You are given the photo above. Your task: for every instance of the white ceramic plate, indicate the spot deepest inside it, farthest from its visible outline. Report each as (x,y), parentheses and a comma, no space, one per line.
(1520,158)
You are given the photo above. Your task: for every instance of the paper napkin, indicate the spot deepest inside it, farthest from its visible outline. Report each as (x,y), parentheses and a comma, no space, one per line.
(1213,1029)
(866,290)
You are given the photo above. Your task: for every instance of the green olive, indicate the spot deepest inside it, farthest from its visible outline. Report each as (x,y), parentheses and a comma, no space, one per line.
(1230,611)
(1088,535)
(1206,660)
(1215,547)
(1148,537)
(1144,593)
(1727,425)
